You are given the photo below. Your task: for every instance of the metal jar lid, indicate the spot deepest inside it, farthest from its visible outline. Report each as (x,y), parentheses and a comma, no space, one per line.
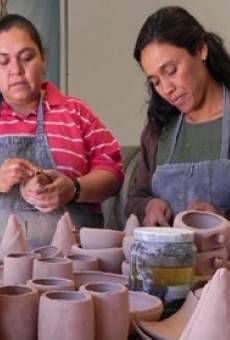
(163,234)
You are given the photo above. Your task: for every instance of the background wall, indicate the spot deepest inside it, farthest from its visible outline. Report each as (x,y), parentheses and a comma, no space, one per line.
(101,68)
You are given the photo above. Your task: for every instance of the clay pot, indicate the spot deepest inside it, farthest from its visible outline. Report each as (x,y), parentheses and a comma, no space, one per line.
(143,306)
(64,237)
(18,268)
(81,278)
(50,284)
(48,251)
(83,262)
(95,238)
(125,268)
(131,223)
(66,316)
(111,306)
(172,327)
(126,246)
(13,239)
(206,261)
(210,230)
(18,313)
(53,267)
(109,259)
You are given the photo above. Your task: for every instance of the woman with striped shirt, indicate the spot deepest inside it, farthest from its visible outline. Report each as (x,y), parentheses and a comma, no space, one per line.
(40,128)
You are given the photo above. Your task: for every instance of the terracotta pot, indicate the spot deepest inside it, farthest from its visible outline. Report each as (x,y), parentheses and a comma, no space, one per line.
(50,284)
(64,237)
(83,262)
(143,306)
(126,246)
(18,268)
(66,316)
(109,259)
(205,261)
(81,278)
(125,268)
(210,230)
(13,239)
(18,313)
(48,251)
(111,306)
(95,238)
(53,267)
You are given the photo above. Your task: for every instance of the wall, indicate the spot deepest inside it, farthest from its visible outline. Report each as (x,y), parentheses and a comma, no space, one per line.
(102,71)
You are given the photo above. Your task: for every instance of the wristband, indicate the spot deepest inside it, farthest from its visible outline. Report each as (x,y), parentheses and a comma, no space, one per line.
(77,190)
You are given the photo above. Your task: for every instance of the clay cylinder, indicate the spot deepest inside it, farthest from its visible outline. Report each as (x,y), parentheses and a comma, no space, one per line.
(50,284)
(96,238)
(211,231)
(66,316)
(18,268)
(48,251)
(111,306)
(18,313)
(83,262)
(53,267)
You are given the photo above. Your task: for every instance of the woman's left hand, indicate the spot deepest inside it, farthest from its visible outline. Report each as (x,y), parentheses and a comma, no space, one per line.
(53,195)
(200,205)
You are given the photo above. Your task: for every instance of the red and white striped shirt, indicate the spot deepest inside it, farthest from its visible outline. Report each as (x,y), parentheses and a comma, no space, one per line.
(78,141)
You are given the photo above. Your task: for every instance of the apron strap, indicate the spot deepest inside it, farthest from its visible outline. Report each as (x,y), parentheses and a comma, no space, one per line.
(175,137)
(40,123)
(224,153)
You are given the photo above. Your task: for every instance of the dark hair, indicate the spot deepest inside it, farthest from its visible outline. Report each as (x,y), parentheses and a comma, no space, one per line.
(14,20)
(176,26)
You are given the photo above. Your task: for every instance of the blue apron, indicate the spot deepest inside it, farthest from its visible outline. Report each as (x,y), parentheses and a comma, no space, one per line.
(208,181)
(39,226)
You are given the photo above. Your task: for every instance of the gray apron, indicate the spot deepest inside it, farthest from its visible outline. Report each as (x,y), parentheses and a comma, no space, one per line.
(39,226)
(208,181)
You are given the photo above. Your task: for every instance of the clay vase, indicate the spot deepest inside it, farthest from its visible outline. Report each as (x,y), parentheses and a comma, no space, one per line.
(109,259)
(131,223)
(95,238)
(83,262)
(210,230)
(18,268)
(18,313)
(81,278)
(13,239)
(66,316)
(64,237)
(48,251)
(50,284)
(53,267)
(127,245)
(206,261)
(111,306)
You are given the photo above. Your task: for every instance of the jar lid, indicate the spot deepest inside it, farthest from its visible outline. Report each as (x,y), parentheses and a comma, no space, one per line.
(163,234)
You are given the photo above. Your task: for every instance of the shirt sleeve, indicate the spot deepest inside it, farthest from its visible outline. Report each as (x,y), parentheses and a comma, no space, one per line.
(141,190)
(103,150)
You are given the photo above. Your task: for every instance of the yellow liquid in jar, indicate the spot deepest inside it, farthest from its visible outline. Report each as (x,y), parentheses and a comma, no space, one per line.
(176,276)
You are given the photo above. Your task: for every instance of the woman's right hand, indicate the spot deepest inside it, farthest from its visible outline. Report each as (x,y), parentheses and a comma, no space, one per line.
(14,171)
(157,213)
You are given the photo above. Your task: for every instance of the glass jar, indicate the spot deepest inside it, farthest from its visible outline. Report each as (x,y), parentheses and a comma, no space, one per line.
(162,261)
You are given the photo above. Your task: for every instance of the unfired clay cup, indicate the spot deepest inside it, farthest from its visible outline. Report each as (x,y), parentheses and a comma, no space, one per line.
(111,306)
(81,278)
(66,316)
(18,313)
(95,238)
(53,267)
(109,259)
(50,284)
(83,262)
(18,268)
(210,230)
(48,251)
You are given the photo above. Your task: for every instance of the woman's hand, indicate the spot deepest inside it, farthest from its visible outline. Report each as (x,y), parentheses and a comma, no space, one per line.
(157,212)
(200,205)
(14,171)
(53,195)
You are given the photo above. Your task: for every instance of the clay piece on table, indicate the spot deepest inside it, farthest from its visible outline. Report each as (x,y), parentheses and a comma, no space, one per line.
(53,266)
(51,284)
(127,245)
(172,327)
(210,230)
(206,260)
(96,238)
(211,318)
(125,268)
(48,251)
(131,223)
(64,237)
(83,262)
(13,239)
(84,277)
